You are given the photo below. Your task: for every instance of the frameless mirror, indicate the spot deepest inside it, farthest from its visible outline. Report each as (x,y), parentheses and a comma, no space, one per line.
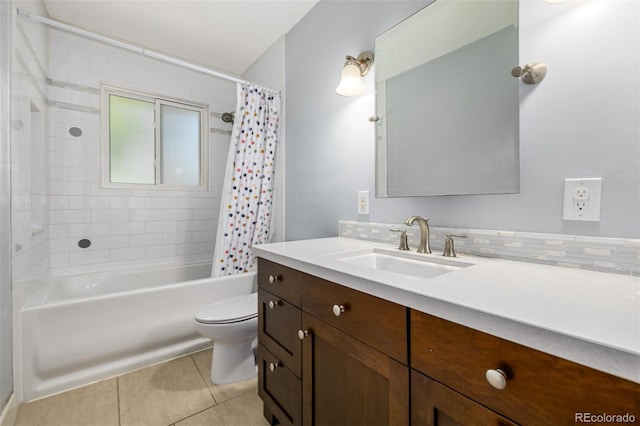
(447,106)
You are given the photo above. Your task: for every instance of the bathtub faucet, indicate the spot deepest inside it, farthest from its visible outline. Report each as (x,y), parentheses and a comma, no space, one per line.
(424,232)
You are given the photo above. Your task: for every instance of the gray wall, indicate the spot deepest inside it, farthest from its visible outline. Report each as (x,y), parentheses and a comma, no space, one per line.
(6,370)
(583,120)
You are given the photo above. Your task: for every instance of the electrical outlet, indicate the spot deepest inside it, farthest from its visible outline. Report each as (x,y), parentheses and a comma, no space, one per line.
(363,202)
(582,199)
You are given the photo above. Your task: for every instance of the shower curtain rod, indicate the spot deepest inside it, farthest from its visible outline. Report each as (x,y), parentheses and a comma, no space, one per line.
(134,48)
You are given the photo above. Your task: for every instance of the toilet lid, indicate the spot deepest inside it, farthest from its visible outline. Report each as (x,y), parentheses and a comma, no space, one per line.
(229,310)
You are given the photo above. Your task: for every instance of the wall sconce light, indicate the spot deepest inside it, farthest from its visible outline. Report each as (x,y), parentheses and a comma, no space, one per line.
(352,73)
(531,73)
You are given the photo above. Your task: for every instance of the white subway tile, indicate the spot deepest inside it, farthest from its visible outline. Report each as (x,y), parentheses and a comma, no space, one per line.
(176,214)
(60,245)
(176,237)
(118,228)
(69,216)
(58,202)
(110,242)
(89,230)
(131,253)
(70,270)
(110,216)
(145,240)
(88,257)
(161,226)
(58,260)
(59,231)
(162,251)
(145,215)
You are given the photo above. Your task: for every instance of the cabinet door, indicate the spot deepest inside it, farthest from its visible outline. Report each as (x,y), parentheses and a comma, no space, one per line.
(433,404)
(347,382)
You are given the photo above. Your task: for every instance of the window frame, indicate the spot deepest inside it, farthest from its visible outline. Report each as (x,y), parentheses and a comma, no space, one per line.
(106,90)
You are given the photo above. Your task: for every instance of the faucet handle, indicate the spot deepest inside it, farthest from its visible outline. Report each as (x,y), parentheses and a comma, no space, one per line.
(449,250)
(404,245)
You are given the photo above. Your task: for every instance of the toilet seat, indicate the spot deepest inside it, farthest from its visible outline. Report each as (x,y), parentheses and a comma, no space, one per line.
(230,310)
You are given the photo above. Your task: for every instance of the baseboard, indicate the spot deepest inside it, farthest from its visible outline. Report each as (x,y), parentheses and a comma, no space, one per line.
(10,412)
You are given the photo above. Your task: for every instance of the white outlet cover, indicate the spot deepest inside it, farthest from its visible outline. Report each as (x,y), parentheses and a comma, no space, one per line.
(363,202)
(592,212)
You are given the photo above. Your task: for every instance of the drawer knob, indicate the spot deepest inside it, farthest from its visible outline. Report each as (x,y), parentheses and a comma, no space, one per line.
(273,305)
(497,378)
(274,278)
(274,365)
(338,309)
(302,334)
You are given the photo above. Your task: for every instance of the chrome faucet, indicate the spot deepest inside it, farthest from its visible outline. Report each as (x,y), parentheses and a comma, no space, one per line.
(424,232)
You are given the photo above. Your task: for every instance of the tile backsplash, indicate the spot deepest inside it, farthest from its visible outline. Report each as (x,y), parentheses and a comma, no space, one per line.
(615,255)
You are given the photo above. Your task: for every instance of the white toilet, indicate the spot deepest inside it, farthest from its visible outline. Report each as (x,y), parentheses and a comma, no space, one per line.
(232,324)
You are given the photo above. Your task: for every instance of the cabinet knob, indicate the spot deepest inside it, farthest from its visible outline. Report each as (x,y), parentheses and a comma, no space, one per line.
(274,278)
(302,334)
(338,309)
(497,378)
(274,365)
(273,305)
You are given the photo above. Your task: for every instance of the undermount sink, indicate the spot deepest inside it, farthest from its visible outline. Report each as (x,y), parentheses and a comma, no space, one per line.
(418,265)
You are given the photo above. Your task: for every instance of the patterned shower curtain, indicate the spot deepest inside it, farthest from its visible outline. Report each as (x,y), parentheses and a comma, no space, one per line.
(245,209)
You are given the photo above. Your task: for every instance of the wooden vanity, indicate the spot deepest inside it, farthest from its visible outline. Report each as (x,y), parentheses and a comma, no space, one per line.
(332,355)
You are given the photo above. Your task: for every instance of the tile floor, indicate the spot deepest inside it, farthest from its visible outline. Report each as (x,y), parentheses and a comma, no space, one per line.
(173,393)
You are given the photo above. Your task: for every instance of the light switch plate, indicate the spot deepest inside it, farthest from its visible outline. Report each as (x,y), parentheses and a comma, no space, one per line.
(582,199)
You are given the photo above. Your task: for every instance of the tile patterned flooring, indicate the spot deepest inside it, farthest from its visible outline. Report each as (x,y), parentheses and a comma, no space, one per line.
(174,393)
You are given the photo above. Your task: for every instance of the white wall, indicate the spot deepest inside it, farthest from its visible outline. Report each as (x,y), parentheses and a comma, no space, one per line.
(268,71)
(583,120)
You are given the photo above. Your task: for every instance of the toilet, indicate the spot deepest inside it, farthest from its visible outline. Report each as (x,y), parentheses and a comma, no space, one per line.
(232,324)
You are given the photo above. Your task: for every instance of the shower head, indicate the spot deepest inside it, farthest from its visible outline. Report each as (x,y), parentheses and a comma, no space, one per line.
(227,117)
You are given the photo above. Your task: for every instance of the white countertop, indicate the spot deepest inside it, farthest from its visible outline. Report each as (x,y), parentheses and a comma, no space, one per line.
(592,318)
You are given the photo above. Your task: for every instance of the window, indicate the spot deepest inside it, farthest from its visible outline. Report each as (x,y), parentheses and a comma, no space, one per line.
(152,142)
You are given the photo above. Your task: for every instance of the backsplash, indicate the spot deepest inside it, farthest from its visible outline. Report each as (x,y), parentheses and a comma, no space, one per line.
(615,255)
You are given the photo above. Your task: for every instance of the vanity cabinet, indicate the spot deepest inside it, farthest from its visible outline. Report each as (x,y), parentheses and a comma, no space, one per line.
(354,353)
(538,388)
(332,355)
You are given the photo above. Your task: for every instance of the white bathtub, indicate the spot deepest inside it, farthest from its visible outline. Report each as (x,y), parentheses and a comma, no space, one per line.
(76,330)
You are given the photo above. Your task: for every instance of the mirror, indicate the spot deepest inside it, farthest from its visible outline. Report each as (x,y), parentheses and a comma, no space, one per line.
(447,105)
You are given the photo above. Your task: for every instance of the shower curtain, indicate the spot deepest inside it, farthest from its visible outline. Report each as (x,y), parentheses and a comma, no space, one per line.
(245,209)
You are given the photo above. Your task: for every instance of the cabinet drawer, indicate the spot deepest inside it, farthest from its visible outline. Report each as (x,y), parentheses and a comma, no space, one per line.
(280,280)
(278,325)
(279,388)
(376,322)
(541,389)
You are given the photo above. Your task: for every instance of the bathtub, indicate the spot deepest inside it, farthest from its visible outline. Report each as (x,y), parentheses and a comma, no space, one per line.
(80,329)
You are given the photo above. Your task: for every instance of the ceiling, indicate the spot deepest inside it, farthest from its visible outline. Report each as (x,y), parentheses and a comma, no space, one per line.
(227,35)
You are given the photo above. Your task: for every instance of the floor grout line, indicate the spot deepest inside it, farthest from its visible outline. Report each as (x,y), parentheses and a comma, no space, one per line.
(204,379)
(118,396)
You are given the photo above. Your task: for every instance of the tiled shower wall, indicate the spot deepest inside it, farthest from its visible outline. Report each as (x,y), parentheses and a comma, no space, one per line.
(126,227)
(29,92)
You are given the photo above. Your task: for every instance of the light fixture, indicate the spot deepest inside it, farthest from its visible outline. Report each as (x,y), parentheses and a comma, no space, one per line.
(531,73)
(352,73)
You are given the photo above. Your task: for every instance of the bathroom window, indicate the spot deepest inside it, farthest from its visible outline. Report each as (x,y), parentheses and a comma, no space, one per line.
(153,142)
